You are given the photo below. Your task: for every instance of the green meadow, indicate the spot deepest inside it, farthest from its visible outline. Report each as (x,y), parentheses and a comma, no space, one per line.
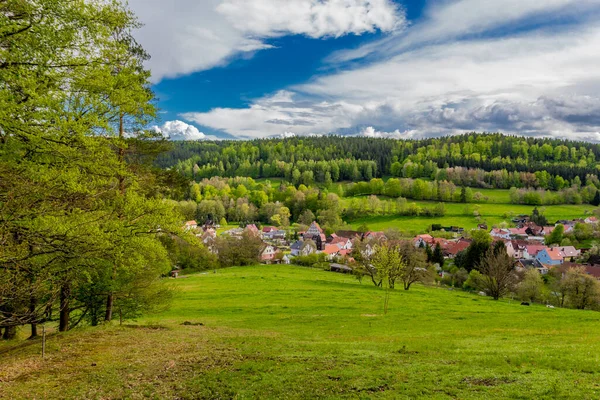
(272,332)
(459,214)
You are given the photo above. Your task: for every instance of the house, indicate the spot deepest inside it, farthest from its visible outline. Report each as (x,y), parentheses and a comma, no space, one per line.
(550,256)
(570,253)
(529,264)
(331,251)
(531,251)
(190,225)
(454,248)
(534,230)
(252,229)
(374,236)
(316,234)
(510,250)
(519,248)
(368,250)
(518,231)
(569,225)
(274,234)
(267,229)
(314,229)
(342,243)
(287,259)
(348,234)
(500,233)
(267,253)
(303,248)
(423,240)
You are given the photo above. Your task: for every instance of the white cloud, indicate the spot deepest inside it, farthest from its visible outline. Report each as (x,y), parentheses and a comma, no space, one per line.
(278,114)
(313,18)
(371,132)
(284,135)
(179,130)
(190,35)
(537,82)
(449,20)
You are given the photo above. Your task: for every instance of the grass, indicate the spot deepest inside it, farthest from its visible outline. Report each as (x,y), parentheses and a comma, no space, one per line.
(288,332)
(456,215)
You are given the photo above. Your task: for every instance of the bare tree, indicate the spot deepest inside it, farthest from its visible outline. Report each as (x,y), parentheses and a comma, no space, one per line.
(497,273)
(415,267)
(364,253)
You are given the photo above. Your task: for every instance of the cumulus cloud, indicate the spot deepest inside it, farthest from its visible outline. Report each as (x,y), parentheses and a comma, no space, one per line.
(539,82)
(179,130)
(313,18)
(371,132)
(277,114)
(194,35)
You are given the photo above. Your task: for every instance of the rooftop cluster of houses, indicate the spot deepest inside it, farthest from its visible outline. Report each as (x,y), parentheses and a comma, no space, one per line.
(525,243)
(338,245)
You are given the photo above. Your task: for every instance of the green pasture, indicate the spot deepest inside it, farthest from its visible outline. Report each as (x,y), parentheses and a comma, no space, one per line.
(273,332)
(458,214)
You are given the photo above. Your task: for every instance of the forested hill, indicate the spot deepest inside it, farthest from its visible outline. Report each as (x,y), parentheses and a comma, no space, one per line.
(335,158)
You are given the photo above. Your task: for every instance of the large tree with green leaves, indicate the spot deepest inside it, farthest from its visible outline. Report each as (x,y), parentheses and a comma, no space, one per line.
(80,208)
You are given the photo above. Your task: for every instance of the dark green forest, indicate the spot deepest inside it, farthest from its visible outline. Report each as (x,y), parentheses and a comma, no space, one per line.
(489,160)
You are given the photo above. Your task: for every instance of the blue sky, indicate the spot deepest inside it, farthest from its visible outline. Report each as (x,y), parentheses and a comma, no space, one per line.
(260,68)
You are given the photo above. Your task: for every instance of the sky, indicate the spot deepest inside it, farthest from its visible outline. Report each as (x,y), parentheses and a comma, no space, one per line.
(246,69)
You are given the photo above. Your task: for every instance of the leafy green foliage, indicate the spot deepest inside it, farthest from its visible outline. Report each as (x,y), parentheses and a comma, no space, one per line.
(82,204)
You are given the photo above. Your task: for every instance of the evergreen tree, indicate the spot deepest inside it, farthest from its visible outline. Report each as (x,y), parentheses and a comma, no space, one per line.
(596,200)
(438,255)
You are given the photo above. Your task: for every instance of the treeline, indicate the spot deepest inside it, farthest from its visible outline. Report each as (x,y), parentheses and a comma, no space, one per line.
(496,179)
(442,190)
(301,172)
(573,195)
(505,158)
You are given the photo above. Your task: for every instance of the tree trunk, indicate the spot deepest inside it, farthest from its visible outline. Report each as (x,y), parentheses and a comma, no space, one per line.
(9,332)
(109,307)
(110,299)
(34,332)
(65,310)
(32,304)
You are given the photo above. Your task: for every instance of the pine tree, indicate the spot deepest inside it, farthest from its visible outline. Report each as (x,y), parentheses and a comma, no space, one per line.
(438,255)
(596,199)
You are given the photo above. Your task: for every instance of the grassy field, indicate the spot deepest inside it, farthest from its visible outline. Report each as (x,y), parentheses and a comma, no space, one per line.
(273,332)
(457,215)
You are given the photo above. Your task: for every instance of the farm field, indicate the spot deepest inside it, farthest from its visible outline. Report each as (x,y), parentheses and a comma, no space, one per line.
(456,215)
(291,332)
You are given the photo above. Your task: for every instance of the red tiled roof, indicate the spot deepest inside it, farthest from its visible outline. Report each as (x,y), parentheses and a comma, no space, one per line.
(533,249)
(555,254)
(457,247)
(331,249)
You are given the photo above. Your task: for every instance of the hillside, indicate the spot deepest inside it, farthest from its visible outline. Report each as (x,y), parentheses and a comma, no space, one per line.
(290,332)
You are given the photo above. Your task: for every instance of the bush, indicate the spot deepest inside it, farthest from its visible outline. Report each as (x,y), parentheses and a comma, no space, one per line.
(473,281)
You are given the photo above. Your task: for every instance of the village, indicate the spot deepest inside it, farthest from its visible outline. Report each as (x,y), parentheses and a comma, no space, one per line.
(525,243)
